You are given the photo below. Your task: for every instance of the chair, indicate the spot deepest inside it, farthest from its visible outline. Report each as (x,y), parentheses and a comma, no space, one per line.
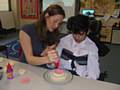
(3,31)
(103,75)
(4,48)
(95,28)
(94,35)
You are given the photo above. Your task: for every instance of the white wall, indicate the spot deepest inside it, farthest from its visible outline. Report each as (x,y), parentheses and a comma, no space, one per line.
(7,19)
(19,22)
(13,19)
(15,10)
(68,6)
(3,5)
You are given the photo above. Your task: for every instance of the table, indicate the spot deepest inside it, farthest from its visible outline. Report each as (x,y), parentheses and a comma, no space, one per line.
(37,81)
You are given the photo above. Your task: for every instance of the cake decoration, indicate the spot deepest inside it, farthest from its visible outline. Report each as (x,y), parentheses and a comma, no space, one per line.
(58,76)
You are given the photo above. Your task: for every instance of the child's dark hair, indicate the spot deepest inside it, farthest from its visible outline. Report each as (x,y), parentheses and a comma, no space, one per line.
(79,23)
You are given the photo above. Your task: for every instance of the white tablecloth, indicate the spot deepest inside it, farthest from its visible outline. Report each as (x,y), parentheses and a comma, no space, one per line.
(37,82)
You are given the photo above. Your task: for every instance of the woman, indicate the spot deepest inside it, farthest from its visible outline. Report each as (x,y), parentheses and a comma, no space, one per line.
(37,39)
(79,54)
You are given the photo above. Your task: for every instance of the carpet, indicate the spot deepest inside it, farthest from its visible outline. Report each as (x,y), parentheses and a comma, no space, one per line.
(13,49)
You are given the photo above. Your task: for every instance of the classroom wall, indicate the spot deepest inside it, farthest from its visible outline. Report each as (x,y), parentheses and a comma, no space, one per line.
(15,6)
(7,20)
(12,19)
(18,21)
(15,10)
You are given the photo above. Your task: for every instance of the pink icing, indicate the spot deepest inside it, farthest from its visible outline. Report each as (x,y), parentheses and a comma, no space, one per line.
(59,71)
(57,63)
(25,80)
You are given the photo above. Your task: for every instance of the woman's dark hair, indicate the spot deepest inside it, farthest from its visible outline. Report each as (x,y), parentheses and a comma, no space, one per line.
(41,24)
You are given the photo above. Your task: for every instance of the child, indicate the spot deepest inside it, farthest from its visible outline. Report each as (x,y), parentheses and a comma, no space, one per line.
(78,53)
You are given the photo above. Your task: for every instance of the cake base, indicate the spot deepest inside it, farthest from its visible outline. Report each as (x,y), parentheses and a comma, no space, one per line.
(56,78)
(57,75)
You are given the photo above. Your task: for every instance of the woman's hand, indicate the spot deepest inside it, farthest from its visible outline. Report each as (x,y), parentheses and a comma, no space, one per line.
(52,55)
(44,53)
(48,48)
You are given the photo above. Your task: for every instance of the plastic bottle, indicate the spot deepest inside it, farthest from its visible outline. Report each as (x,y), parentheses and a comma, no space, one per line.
(9,71)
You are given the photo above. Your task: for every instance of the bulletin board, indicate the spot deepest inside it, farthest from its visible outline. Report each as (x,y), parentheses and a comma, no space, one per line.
(29,9)
(89,4)
(101,7)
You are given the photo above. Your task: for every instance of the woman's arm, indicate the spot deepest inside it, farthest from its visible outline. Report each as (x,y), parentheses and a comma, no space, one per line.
(26,45)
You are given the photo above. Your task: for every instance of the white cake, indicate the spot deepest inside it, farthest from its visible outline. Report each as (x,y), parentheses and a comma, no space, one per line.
(57,75)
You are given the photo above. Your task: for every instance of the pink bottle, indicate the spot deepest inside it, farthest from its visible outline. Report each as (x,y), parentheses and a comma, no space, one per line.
(9,71)
(57,63)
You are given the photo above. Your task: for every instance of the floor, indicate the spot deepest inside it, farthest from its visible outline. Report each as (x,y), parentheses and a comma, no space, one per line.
(110,63)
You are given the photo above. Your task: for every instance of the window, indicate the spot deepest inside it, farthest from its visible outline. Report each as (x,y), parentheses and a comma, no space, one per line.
(70,6)
(4,5)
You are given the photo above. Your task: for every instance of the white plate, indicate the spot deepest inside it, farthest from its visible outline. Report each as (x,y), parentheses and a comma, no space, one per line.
(69,77)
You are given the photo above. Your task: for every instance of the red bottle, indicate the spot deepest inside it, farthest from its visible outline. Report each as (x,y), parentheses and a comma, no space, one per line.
(57,63)
(9,71)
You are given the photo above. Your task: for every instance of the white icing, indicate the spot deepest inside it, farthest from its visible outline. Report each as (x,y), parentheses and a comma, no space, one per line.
(21,71)
(57,77)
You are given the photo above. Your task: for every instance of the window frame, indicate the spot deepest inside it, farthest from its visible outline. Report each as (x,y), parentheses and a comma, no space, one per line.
(9,6)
